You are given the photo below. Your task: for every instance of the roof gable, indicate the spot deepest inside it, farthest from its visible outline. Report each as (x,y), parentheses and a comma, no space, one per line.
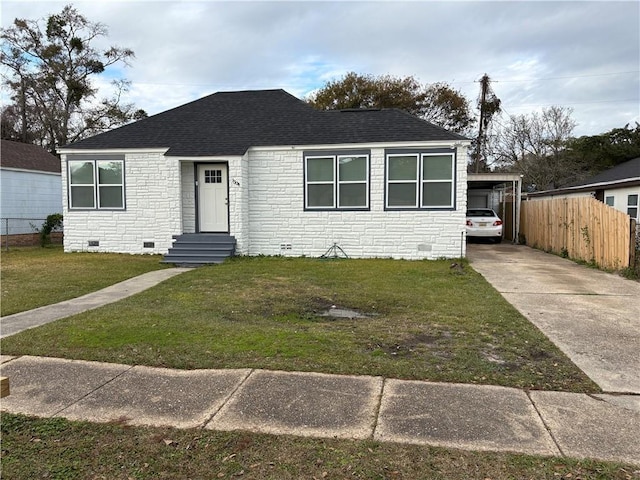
(26,156)
(228,123)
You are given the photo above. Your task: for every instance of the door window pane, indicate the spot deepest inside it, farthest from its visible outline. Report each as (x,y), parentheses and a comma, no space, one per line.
(632,200)
(213,176)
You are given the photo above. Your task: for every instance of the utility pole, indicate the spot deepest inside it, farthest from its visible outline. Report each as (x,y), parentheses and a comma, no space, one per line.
(489,106)
(484,87)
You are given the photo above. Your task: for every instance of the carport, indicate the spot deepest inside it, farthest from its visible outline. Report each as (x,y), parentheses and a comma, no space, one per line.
(501,192)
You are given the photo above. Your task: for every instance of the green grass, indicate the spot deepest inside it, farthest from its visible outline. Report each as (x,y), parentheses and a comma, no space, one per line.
(426,321)
(35,276)
(59,449)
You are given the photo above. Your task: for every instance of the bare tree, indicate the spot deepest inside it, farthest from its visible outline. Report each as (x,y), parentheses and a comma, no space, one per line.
(534,145)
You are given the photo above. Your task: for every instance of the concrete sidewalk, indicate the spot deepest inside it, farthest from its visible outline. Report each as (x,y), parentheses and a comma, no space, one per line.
(12,324)
(472,417)
(592,316)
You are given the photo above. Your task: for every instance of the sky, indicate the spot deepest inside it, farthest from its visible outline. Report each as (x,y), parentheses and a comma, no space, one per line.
(583,55)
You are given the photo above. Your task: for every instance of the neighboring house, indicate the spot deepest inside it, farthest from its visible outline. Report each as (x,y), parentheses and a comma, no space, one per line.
(618,187)
(30,187)
(278,176)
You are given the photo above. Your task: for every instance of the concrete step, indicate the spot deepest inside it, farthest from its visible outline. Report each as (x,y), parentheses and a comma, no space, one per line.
(195,249)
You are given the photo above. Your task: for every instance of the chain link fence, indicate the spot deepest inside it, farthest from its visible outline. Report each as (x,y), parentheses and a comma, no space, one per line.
(21,232)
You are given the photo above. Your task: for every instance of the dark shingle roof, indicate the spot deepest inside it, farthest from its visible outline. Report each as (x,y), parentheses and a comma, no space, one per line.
(27,157)
(228,123)
(624,171)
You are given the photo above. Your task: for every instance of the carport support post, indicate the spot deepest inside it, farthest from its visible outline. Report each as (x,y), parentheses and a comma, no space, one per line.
(516,211)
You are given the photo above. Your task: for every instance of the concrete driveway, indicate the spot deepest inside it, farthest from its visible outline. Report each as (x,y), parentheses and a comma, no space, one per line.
(592,316)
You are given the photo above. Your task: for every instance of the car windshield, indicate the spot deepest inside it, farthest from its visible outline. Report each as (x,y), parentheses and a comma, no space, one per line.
(480,212)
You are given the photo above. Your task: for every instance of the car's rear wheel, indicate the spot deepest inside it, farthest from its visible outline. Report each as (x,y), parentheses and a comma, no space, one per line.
(498,240)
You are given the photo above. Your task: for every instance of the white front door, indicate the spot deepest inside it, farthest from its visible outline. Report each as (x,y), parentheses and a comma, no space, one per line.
(212,198)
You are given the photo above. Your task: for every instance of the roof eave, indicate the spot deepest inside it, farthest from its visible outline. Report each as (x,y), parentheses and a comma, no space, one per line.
(627,182)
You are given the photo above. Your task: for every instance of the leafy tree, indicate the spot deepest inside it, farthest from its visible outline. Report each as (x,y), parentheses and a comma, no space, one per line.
(50,71)
(437,103)
(599,152)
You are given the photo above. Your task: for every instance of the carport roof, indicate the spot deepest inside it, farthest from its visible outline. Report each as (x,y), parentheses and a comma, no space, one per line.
(490,180)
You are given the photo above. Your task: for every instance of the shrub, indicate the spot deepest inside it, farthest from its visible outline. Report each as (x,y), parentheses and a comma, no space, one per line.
(53,222)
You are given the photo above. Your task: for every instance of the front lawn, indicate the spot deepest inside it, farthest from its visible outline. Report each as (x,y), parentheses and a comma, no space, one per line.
(423,321)
(35,276)
(58,449)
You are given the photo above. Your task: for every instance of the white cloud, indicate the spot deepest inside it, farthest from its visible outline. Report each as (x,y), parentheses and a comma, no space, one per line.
(538,53)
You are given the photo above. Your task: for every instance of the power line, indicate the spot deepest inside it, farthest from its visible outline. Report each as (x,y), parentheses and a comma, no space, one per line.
(573,103)
(568,77)
(452,82)
(540,79)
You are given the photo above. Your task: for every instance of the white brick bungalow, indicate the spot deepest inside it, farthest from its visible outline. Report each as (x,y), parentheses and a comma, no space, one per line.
(277,175)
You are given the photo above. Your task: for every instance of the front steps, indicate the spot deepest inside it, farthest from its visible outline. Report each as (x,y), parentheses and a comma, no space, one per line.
(196,249)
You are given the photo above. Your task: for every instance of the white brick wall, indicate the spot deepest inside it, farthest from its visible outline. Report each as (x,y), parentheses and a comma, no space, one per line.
(152,186)
(187,171)
(277,216)
(239,198)
(266,208)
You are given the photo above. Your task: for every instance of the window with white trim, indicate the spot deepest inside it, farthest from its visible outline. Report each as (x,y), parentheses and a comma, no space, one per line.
(419,180)
(338,181)
(632,206)
(96,184)
(610,201)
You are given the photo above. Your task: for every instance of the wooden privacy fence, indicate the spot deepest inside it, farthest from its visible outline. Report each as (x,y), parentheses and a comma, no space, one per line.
(580,228)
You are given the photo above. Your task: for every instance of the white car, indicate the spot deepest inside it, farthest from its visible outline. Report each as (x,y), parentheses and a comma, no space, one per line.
(484,223)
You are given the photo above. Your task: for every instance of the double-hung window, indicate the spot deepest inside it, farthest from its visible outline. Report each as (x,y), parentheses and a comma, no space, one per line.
(336,181)
(420,180)
(96,183)
(632,206)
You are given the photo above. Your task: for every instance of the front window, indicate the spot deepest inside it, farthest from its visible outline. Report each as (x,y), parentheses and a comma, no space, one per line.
(419,180)
(337,182)
(437,181)
(96,184)
(402,181)
(610,201)
(82,185)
